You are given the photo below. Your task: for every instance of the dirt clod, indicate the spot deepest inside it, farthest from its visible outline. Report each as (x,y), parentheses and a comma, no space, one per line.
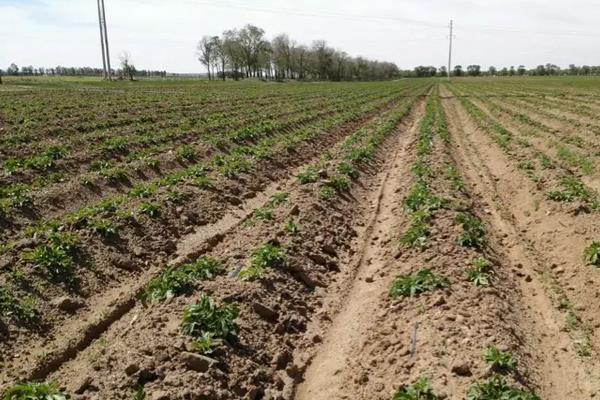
(265,312)
(462,368)
(83,384)
(282,359)
(67,304)
(160,395)
(318,258)
(132,368)
(196,362)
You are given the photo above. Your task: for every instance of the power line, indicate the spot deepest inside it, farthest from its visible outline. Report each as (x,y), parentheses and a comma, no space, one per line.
(318,13)
(487,28)
(421,23)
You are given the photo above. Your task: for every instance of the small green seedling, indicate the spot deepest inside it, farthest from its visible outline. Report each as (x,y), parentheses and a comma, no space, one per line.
(482,272)
(104,228)
(206,344)
(186,153)
(420,390)
(309,175)
(572,190)
(422,171)
(203,182)
(207,317)
(291,227)
(114,174)
(264,214)
(174,196)
(16,196)
(346,168)
(252,273)
(116,144)
(266,256)
(546,162)
(56,256)
(176,281)
(150,210)
(339,183)
(420,198)
(412,285)
(20,310)
(35,391)
(362,155)
(327,192)
(454,176)
(234,165)
(496,388)
(499,360)
(278,199)
(474,231)
(592,254)
(142,191)
(139,394)
(418,232)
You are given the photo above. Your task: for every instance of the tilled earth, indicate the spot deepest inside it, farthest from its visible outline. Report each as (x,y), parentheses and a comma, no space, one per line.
(322,325)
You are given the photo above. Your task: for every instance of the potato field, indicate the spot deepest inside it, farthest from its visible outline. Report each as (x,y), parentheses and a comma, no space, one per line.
(409,240)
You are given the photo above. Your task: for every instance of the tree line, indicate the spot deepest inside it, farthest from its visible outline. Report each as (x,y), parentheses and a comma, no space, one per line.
(246,52)
(125,70)
(521,70)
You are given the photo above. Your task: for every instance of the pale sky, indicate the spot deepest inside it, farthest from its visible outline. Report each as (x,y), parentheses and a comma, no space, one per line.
(162,34)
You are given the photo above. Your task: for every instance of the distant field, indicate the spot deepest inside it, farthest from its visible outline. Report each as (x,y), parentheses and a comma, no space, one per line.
(221,240)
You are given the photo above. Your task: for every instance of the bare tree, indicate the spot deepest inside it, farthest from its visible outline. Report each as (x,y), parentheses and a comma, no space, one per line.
(13,69)
(253,46)
(282,57)
(246,52)
(299,57)
(219,55)
(205,52)
(233,52)
(127,66)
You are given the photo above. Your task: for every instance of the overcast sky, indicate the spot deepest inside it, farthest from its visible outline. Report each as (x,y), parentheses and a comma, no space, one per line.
(162,34)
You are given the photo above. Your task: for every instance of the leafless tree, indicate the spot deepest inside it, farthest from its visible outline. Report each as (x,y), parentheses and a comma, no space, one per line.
(206,53)
(127,66)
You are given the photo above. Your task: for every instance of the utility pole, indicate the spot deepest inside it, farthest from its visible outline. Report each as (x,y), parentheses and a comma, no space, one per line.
(102,40)
(106,42)
(450,51)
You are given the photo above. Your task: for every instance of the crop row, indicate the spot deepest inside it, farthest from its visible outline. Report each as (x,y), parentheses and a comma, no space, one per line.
(156,123)
(244,130)
(567,187)
(555,136)
(18,195)
(98,112)
(212,325)
(439,195)
(572,158)
(560,185)
(158,126)
(48,111)
(335,177)
(59,252)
